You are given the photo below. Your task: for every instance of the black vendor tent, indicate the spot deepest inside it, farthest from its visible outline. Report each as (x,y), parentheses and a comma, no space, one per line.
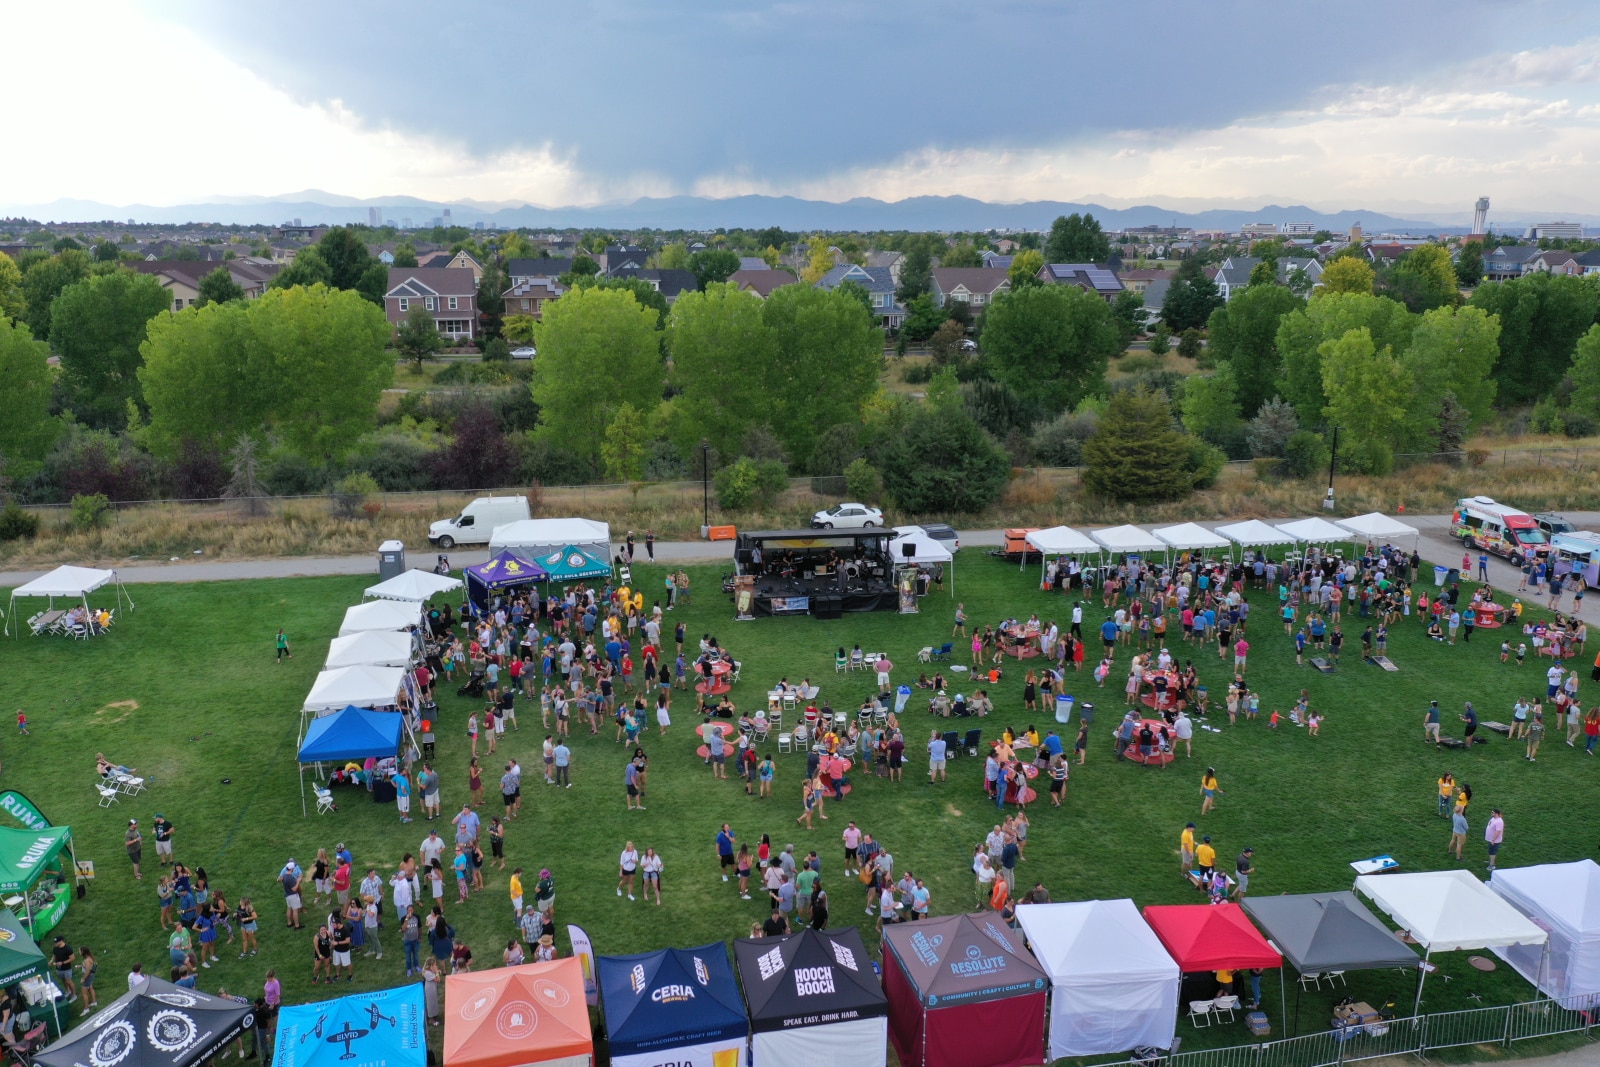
(814,998)
(160,1026)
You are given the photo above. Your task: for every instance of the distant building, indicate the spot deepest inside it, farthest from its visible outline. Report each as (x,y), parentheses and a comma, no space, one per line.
(182,277)
(1507,262)
(530,270)
(761,282)
(1259,229)
(450,294)
(1090,277)
(373,216)
(1563,230)
(974,286)
(1233,277)
(1298,229)
(879,285)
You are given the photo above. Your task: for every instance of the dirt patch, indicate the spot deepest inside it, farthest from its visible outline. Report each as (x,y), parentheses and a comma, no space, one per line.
(116,711)
(952,811)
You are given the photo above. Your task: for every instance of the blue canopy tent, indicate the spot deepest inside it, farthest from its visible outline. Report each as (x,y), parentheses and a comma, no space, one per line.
(384,1026)
(679,1004)
(352,734)
(572,564)
(504,571)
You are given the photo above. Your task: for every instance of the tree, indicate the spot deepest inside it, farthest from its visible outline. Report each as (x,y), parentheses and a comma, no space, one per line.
(1128,310)
(1423,279)
(674,256)
(854,290)
(12,303)
(1269,432)
(1244,332)
(97,326)
(346,256)
(916,268)
(1211,405)
(1050,343)
(1541,318)
(1160,339)
(1469,264)
(819,261)
(479,454)
(962,255)
(1347,274)
(1136,454)
(218,287)
(722,359)
(598,350)
(307,269)
(1585,375)
(1191,297)
(305,364)
(922,318)
(829,354)
(518,329)
(1024,269)
(244,480)
(582,267)
(945,344)
(1190,344)
(1369,394)
(1076,239)
(418,335)
(405,254)
(27,432)
(624,447)
(644,294)
(944,462)
(1301,334)
(1453,352)
(44,280)
(713,265)
(1264,273)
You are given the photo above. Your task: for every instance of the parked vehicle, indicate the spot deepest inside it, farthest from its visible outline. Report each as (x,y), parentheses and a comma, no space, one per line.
(525,352)
(1015,548)
(1553,524)
(477,521)
(1480,522)
(847,516)
(945,535)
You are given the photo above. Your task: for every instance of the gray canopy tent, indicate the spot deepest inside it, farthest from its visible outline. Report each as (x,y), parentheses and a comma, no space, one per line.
(1323,932)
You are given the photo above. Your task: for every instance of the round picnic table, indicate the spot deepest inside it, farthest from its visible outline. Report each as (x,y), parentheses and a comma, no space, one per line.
(1482,963)
(1487,614)
(1152,698)
(1019,642)
(1156,758)
(718,683)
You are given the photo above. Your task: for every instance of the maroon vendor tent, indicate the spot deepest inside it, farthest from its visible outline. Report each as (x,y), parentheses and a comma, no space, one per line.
(1210,937)
(964,991)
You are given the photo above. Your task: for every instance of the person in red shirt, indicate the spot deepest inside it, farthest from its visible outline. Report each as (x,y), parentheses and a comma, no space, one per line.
(341,883)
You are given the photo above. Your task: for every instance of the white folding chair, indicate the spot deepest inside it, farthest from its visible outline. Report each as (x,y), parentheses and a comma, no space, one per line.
(1331,975)
(733,675)
(840,664)
(1224,1006)
(762,727)
(775,717)
(1311,981)
(857,662)
(108,796)
(325,802)
(925,654)
(785,743)
(127,783)
(880,717)
(1201,1009)
(789,702)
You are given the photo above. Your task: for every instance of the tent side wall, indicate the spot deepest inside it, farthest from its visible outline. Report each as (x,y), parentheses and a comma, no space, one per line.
(992,1033)
(1097,1014)
(1573,967)
(905,1010)
(860,1043)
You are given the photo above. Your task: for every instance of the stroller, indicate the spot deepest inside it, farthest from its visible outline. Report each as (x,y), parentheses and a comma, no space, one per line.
(474,686)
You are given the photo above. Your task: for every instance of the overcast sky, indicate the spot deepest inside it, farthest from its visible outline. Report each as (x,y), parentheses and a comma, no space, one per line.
(1351,103)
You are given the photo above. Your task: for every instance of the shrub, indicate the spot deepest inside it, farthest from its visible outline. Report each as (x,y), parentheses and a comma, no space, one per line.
(1477,457)
(18,525)
(747,482)
(91,511)
(1575,425)
(917,373)
(1304,454)
(350,494)
(497,351)
(862,482)
(1138,363)
(399,463)
(944,462)
(291,474)
(1207,462)
(1189,343)
(1160,339)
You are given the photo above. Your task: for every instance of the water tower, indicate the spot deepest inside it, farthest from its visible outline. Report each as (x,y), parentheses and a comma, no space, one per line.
(1480,215)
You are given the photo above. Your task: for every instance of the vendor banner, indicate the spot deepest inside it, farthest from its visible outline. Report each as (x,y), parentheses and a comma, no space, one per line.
(385,1027)
(730,1053)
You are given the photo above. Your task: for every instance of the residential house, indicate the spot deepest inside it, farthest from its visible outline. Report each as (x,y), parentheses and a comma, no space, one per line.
(974,286)
(1006,246)
(1554,261)
(461,260)
(753,263)
(1507,262)
(1155,295)
(181,277)
(1090,277)
(998,260)
(1589,262)
(527,270)
(450,293)
(530,295)
(761,282)
(670,282)
(621,257)
(297,232)
(1138,279)
(386,257)
(1234,274)
(892,260)
(879,284)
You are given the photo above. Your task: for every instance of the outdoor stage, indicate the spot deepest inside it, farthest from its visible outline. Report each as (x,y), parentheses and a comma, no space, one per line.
(814,572)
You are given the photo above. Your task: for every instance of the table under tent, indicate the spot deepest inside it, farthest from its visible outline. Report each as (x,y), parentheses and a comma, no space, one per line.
(353,735)
(162,1025)
(38,869)
(415,586)
(502,571)
(1253,534)
(1059,541)
(380,1026)
(1377,528)
(1323,935)
(793,984)
(1447,911)
(1113,987)
(517,1017)
(674,1005)
(1204,939)
(1564,899)
(71,584)
(926,552)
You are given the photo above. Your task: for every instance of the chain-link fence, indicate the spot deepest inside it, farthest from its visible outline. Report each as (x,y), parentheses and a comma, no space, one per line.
(1556,457)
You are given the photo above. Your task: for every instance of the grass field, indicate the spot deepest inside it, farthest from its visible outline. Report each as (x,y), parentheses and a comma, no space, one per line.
(186,690)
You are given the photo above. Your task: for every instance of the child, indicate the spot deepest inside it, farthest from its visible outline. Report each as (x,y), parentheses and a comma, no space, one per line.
(1313,723)
(1253,708)
(1272,722)
(1505,651)
(22,721)
(1522,652)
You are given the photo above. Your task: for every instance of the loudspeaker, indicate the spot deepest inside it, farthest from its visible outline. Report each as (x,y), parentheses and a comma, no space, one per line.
(908,550)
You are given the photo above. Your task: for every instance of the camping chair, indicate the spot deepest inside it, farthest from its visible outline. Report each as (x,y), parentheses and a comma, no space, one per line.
(952,743)
(925,653)
(974,738)
(108,796)
(1201,1009)
(1224,1006)
(944,650)
(35,1039)
(325,802)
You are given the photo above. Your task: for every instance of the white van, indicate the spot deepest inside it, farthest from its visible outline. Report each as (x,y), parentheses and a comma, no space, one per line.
(478,520)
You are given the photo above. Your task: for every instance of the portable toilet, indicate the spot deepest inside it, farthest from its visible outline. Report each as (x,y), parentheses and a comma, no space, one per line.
(391,560)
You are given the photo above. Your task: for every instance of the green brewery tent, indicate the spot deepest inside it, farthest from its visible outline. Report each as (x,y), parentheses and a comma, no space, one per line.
(20,955)
(571,564)
(27,856)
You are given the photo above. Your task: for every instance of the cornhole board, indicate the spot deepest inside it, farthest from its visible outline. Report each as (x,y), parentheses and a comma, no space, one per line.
(1382,661)
(1452,742)
(1497,727)
(1376,865)
(1322,664)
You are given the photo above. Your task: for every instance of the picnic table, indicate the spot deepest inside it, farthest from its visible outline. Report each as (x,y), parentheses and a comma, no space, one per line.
(718,683)
(1153,698)
(1019,641)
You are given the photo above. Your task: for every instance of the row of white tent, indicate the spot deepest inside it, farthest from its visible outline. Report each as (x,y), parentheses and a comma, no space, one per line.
(1189,536)
(369,663)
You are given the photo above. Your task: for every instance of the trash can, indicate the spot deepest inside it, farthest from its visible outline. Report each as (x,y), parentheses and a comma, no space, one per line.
(391,560)
(1063,707)
(901,697)
(1440,576)
(1087,713)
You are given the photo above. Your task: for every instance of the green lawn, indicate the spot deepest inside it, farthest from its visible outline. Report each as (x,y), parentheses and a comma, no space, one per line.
(186,690)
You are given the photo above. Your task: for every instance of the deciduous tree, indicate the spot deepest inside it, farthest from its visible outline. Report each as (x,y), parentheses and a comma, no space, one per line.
(1469,264)
(722,358)
(1244,332)
(829,356)
(1423,279)
(418,336)
(1076,239)
(1369,395)
(1301,334)
(1211,404)
(218,287)
(1586,375)
(944,462)
(1024,269)
(1453,351)
(44,280)
(97,326)
(27,430)
(12,303)
(1050,342)
(1191,297)
(1346,274)
(713,265)
(1541,318)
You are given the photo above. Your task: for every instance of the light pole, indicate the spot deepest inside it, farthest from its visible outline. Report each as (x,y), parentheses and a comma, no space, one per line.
(705,488)
(1333,458)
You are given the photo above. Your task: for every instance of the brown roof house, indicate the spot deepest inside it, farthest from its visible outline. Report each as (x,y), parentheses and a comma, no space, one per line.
(1090,277)
(450,293)
(181,277)
(974,286)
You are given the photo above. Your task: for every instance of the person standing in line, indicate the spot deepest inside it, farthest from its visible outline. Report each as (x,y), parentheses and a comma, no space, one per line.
(163,833)
(134,842)
(1494,834)
(628,866)
(1447,792)
(724,842)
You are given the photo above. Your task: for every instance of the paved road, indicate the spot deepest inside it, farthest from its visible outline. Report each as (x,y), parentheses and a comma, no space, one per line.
(1435,545)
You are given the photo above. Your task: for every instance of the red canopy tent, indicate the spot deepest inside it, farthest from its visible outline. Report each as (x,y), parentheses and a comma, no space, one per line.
(513,1016)
(1210,937)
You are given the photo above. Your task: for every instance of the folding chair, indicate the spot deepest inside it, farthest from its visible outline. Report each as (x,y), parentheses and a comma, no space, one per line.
(864,718)
(761,730)
(325,802)
(840,664)
(880,716)
(108,796)
(925,653)
(127,783)
(858,661)
(1331,975)
(789,702)
(733,675)
(1224,1006)
(1311,981)
(1201,1009)
(944,650)
(785,743)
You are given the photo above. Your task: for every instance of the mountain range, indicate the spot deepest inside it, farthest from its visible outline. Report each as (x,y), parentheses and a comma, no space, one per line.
(315,207)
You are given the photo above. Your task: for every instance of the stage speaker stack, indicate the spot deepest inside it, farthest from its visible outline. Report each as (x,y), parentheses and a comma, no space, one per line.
(908,550)
(827,607)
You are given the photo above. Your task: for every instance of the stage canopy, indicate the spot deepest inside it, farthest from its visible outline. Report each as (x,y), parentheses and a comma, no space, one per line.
(1564,898)
(1128,539)
(161,1026)
(673,1004)
(384,1026)
(928,549)
(532,538)
(1063,541)
(413,585)
(381,615)
(363,687)
(573,563)
(372,648)
(1189,535)
(1449,910)
(506,570)
(20,955)
(964,991)
(1376,526)
(1314,531)
(512,1016)
(75,583)
(352,734)
(1113,987)
(1253,533)
(1210,937)
(1319,932)
(791,982)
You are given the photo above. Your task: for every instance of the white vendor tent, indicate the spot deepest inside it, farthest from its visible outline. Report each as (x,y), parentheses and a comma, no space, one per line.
(925,549)
(1060,541)
(1446,911)
(376,648)
(70,583)
(1314,531)
(1128,539)
(1190,535)
(1564,899)
(366,686)
(414,585)
(530,538)
(1253,533)
(381,615)
(1377,527)
(1113,986)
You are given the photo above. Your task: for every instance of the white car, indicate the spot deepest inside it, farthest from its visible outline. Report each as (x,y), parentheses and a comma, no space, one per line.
(525,352)
(848,515)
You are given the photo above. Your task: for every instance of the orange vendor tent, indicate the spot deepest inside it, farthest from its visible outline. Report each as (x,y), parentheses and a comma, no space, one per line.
(512,1016)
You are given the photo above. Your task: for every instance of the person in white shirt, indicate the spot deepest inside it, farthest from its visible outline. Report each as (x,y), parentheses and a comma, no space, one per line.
(628,863)
(432,848)
(137,979)
(404,892)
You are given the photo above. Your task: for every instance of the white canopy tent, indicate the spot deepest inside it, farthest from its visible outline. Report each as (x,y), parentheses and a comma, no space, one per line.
(925,549)
(414,585)
(381,615)
(1189,535)
(365,686)
(530,538)
(1377,527)
(1446,911)
(1564,899)
(1059,541)
(1126,539)
(1314,531)
(372,648)
(1253,533)
(1113,985)
(71,583)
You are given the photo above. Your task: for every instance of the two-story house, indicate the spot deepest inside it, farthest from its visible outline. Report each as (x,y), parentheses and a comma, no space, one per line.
(1233,277)
(461,260)
(761,282)
(528,270)
(879,285)
(181,277)
(1507,262)
(1554,261)
(974,286)
(1090,277)
(450,294)
(670,282)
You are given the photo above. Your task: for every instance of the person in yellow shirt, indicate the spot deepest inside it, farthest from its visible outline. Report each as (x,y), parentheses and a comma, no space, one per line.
(516,891)
(1205,857)
(1447,789)
(1033,736)
(1225,983)
(1208,790)
(1186,850)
